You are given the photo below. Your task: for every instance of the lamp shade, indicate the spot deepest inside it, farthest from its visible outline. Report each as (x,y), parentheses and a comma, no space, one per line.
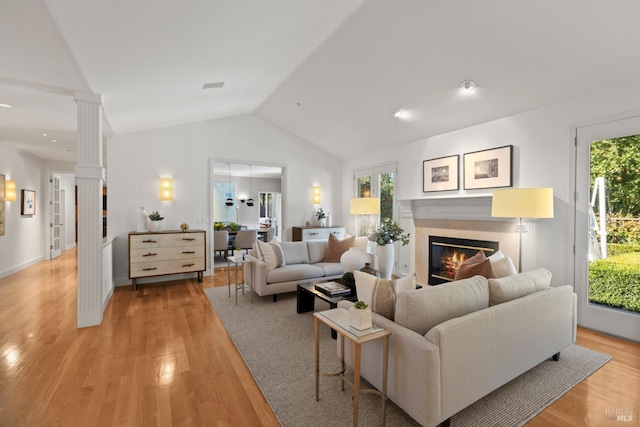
(365,206)
(10,190)
(522,203)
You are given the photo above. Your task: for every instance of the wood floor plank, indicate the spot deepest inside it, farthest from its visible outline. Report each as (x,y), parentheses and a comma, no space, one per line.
(162,357)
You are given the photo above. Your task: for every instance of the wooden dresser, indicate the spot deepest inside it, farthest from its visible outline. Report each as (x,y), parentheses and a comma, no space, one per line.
(316,233)
(166,252)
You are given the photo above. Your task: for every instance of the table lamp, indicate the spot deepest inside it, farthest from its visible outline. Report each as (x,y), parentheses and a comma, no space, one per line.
(365,206)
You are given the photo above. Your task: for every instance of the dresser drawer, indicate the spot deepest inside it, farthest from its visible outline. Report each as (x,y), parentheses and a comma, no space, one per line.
(163,254)
(165,240)
(311,234)
(158,268)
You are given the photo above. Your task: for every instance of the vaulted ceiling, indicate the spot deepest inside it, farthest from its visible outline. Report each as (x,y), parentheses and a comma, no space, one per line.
(332,72)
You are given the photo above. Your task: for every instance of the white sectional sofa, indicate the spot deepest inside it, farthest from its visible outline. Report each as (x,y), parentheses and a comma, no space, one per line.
(453,344)
(301,262)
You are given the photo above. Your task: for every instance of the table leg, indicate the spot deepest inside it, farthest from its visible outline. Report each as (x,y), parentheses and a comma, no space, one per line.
(236,283)
(356,382)
(229,276)
(342,359)
(385,367)
(317,356)
(305,301)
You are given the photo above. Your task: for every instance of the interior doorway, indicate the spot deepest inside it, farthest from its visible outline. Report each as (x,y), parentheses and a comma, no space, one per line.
(600,282)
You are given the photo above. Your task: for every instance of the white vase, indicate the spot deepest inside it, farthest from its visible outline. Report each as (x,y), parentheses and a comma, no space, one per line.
(354,259)
(154,226)
(385,254)
(322,222)
(360,318)
(143,217)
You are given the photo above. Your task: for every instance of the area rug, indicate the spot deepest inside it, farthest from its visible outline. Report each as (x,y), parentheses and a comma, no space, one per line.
(277,345)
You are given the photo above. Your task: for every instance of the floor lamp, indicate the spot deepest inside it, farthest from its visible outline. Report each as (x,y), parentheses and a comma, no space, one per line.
(365,206)
(522,203)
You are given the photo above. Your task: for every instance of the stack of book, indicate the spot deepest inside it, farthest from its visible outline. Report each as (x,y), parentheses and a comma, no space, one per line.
(332,289)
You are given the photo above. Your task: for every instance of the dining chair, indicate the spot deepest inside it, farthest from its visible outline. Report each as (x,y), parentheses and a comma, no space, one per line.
(221,242)
(271,233)
(245,239)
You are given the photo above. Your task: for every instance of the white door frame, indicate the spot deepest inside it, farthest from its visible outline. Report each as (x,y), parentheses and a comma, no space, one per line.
(594,316)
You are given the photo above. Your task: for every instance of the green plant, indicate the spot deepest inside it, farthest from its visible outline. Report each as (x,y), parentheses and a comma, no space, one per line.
(618,249)
(349,280)
(155,216)
(320,213)
(388,233)
(360,305)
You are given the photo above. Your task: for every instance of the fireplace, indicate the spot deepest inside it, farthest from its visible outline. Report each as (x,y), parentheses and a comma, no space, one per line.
(447,253)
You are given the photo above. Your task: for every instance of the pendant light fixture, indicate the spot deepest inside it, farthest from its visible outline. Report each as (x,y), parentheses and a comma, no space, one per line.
(250,200)
(229,201)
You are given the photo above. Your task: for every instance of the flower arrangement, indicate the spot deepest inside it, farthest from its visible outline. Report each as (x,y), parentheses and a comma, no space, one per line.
(226,226)
(155,216)
(184,226)
(320,213)
(388,233)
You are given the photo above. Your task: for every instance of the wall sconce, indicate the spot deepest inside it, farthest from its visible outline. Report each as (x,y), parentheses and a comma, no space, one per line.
(10,190)
(316,195)
(166,189)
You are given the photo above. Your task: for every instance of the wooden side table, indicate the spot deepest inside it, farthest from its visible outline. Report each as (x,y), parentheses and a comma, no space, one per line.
(338,319)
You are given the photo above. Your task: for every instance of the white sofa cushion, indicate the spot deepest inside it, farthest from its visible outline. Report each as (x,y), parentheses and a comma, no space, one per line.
(295,252)
(518,285)
(422,309)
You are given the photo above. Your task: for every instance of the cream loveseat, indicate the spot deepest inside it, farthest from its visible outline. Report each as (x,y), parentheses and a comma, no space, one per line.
(278,267)
(454,343)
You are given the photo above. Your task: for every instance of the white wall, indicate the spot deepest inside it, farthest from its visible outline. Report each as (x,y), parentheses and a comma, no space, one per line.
(68,184)
(23,242)
(137,161)
(543,157)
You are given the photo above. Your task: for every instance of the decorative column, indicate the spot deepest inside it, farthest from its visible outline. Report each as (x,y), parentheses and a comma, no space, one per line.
(90,178)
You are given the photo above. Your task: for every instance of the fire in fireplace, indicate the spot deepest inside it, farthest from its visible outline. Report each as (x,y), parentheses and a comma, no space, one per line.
(447,253)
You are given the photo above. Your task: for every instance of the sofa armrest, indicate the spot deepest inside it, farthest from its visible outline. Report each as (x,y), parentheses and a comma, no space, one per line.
(413,380)
(255,274)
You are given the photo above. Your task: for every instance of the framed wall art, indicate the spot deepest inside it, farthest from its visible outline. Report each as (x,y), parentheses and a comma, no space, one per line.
(441,174)
(488,168)
(28,206)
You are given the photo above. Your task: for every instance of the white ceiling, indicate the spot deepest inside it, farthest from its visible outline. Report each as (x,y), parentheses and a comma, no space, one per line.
(331,71)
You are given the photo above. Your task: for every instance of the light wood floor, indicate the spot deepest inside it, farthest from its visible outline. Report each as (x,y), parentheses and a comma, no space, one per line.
(162,357)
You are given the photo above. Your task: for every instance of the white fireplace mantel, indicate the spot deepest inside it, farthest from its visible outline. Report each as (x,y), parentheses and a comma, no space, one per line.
(455,208)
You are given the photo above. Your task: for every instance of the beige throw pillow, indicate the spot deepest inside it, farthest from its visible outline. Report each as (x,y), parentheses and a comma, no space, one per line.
(337,247)
(503,267)
(518,285)
(265,253)
(277,251)
(380,294)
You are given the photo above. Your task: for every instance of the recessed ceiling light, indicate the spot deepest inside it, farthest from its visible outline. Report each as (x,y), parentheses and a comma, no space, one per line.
(54,140)
(212,85)
(5,105)
(467,85)
(399,114)
(44,134)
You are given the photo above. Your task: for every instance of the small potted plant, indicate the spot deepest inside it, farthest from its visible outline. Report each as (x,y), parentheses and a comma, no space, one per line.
(360,316)
(184,227)
(322,217)
(155,219)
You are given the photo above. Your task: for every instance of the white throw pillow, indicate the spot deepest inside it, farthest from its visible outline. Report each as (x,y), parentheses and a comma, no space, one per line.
(277,251)
(498,255)
(265,253)
(407,283)
(518,285)
(503,267)
(365,283)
